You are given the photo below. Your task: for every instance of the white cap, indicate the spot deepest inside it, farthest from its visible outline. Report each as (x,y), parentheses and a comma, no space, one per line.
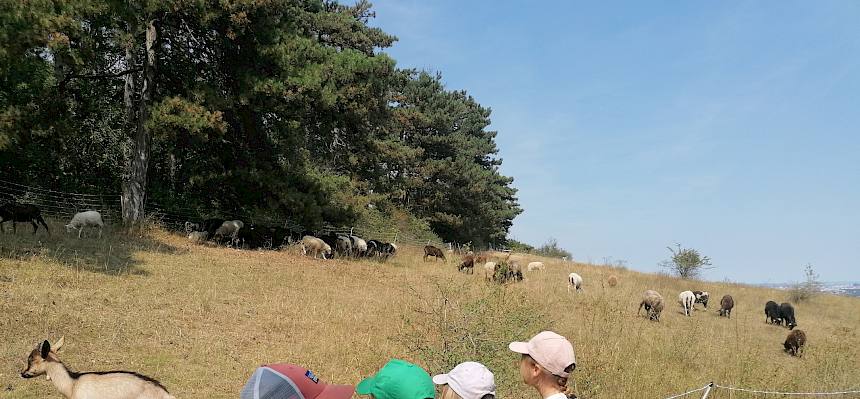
(470,380)
(550,350)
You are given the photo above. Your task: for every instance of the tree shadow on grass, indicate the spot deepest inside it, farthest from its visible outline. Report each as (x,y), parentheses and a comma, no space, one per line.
(112,254)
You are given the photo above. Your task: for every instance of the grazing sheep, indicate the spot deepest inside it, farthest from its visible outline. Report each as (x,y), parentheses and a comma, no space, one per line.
(503,273)
(198,236)
(191,227)
(210,225)
(315,246)
(388,250)
(373,247)
(786,313)
(430,250)
(229,229)
(687,299)
(86,219)
(343,245)
(468,264)
(794,342)
(489,270)
(613,281)
(702,297)
(22,213)
(771,311)
(359,246)
(535,266)
(653,303)
(726,305)
(575,281)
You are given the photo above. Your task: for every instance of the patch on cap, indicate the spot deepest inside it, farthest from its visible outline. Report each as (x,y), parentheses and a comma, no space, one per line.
(312,377)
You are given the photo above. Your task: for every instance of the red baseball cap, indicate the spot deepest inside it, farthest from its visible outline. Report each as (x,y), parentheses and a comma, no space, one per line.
(286,379)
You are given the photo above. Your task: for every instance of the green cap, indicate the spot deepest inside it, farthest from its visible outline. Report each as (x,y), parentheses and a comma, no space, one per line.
(398,379)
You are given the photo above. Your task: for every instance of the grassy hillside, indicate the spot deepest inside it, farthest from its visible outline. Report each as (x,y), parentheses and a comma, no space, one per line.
(200,319)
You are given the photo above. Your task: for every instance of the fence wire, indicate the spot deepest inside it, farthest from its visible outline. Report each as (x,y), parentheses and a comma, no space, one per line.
(711,387)
(63,205)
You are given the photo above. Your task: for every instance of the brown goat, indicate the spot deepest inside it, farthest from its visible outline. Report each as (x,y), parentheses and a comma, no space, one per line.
(430,250)
(794,342)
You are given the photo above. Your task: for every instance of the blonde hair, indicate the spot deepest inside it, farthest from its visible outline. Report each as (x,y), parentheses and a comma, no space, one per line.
(559,382)
(448,393)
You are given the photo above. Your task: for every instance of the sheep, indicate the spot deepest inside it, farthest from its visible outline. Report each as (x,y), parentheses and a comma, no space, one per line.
(191,227)
(315,246)
(210,225)
(198,236)
(388,250)
(506,272)
(489,270)
(22,213)
(653,303)
(359,246)
(687,299)
(613,281)
(468,264)
(702,297)
(726,305)
(430,250)
(794,342)
(374,247)
(786,313)
(574,280)
(343,245)
(230,229)
(85,219)
(771,311)
(535,266)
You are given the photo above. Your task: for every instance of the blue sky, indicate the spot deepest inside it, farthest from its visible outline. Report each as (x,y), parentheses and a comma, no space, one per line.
(730,127)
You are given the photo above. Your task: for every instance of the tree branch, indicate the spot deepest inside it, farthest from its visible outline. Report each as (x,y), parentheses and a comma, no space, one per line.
(97,76)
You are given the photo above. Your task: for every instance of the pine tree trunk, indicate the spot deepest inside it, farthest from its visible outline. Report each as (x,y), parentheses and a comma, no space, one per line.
(134,185)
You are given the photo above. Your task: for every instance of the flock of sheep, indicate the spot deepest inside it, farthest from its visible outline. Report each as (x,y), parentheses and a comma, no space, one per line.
(28,213)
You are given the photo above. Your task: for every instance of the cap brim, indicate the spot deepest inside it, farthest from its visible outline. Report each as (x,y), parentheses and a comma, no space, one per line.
(336,392)
(519,347)
(440,379)
(365,386)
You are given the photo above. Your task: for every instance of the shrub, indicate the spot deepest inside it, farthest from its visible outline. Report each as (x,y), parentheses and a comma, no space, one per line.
(806,290)
(686,262)
(552,250)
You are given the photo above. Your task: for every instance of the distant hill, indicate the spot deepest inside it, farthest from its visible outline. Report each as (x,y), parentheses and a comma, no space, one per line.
(849,288)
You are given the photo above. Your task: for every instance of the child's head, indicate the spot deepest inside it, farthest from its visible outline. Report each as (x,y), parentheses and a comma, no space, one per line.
(547,360)
(398,379)
(468,380)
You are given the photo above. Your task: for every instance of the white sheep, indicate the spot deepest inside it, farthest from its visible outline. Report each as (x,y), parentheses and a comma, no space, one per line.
(489,270)
(574,280)
(535,266)
(229,228)
(198,236)
(315,246)
(359,246)
(85,219)
(687,299)
(653,303)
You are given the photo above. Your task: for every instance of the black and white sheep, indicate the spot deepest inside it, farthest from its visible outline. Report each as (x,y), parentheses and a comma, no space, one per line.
(702,297)
(687,299)
(726,305)
(786,314)
(771,313)
(229,229)
(574,281)
(653,303)
(86,219)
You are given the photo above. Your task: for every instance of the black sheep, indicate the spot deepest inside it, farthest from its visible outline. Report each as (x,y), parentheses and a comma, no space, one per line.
(771,311)
(22,213)
(786,314)
(726,305)
(794,342)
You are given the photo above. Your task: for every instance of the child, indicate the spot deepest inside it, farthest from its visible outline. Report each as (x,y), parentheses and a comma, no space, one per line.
(468,380)
(546,363)
(398,379)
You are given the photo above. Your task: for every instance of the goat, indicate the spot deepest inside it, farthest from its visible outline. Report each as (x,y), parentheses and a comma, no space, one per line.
(86,219)
(21,213)
(103,384)
(430,250)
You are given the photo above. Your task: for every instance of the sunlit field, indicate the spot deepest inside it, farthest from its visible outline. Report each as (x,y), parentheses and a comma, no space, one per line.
(200,319)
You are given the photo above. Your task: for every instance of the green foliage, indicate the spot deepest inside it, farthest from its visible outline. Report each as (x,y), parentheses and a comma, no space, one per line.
(260,110)
(517,246)
(552,249)
(686,262)
(807,289)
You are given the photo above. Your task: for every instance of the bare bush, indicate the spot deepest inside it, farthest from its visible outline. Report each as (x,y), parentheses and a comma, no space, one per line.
(806,290)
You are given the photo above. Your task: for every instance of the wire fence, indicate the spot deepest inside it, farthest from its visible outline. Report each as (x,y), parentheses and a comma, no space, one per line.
(63,205)
(712,387)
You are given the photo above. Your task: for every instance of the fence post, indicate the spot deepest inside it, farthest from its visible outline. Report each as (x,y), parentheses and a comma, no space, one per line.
(708,390)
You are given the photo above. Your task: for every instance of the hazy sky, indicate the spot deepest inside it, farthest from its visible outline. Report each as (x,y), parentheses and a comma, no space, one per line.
(732,127)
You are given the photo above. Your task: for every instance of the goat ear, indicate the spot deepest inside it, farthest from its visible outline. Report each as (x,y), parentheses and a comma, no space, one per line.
(45,349)
(59,344)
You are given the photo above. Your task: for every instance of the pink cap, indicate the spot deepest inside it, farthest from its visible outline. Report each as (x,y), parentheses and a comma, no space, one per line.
(550,350)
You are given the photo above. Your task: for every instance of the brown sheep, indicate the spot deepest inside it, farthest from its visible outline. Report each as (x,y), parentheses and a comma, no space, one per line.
(468,264)
(726,305)
(794,342)
(613,281)
(430,250)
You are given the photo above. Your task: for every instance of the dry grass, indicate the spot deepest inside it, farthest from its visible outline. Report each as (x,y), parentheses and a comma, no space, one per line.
(201,319)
